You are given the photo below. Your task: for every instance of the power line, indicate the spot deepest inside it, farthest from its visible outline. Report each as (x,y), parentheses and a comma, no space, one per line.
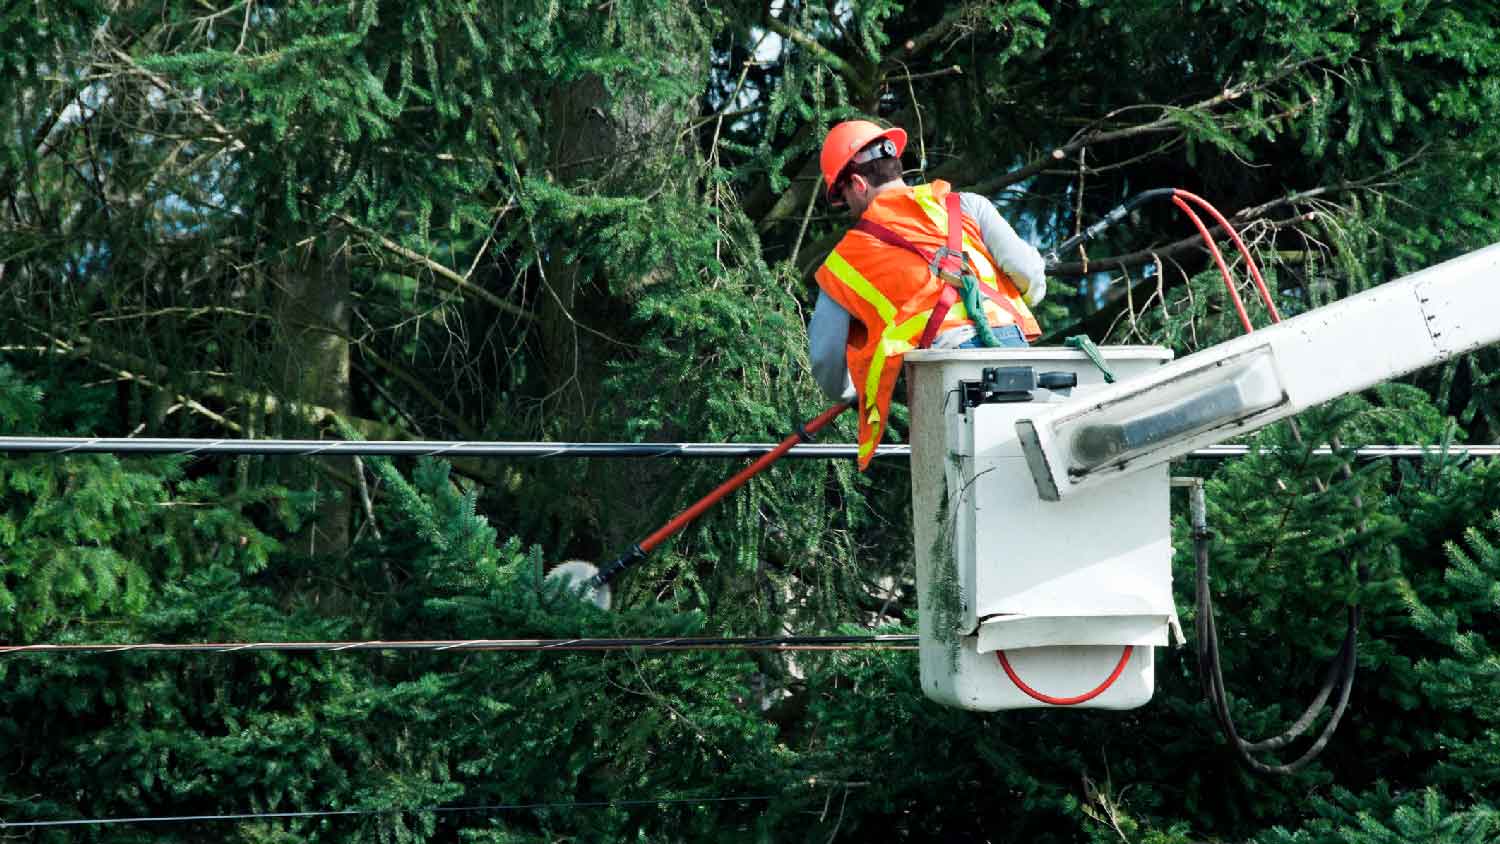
(770,643)
(415,448)
(462,448)
(325,813)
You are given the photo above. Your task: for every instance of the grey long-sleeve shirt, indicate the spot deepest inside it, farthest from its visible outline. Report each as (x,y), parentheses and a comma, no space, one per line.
(828,331)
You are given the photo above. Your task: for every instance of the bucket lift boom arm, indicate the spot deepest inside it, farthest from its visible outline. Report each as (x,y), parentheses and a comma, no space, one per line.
(1251,381)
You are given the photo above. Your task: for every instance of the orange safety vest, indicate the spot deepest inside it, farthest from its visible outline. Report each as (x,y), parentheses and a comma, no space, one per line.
(892,293)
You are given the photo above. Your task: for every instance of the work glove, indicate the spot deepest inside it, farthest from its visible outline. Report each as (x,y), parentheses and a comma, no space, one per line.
(1035,292)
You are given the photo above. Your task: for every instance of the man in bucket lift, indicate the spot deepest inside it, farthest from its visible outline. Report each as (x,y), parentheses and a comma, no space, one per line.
(908,275)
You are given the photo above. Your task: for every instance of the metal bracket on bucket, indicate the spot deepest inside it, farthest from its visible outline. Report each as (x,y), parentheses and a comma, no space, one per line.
(999,384)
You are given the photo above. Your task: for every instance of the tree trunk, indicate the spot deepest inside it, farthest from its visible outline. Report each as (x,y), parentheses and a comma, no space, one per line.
(313,368)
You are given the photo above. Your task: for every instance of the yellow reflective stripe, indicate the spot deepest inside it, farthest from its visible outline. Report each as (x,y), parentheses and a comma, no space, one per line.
(872,383)
(939,217)
(909,329)
(852,279)
(895,341)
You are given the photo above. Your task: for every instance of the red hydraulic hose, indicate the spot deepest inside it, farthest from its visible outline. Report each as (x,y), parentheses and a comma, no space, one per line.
(1234,295)
(1066,701)
(1260,283)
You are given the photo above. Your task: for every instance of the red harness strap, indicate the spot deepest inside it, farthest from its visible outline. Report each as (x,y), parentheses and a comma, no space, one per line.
(947,260)
(954,263)
(945,301)
(955,232)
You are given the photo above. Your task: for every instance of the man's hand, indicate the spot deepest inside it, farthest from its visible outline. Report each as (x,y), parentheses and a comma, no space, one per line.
(1035,293)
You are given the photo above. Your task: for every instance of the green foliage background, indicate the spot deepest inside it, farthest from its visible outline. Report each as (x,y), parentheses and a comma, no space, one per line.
(583,221)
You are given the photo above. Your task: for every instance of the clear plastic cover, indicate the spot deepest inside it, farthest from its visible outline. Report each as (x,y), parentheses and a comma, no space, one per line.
(1225,393)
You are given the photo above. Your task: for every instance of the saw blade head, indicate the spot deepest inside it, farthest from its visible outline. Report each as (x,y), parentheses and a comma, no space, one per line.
(579,575)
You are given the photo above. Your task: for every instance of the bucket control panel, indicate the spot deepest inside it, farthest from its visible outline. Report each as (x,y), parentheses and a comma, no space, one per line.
(1005,384)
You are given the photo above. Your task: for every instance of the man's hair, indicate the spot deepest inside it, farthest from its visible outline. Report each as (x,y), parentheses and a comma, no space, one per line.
(876,172)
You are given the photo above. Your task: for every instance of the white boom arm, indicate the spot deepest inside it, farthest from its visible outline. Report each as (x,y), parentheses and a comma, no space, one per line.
(1251,381)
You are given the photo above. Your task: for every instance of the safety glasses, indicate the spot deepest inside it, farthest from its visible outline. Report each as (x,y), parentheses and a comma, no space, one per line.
(836,193)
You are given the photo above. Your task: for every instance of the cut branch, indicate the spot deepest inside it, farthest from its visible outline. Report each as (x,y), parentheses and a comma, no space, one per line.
(932,35)
(1041,163)
(953,70)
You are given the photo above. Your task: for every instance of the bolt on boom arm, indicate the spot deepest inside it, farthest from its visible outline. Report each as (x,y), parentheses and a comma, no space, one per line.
(1247,383)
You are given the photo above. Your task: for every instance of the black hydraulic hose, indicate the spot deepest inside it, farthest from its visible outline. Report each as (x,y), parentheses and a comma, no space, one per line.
(1340,668)
(1117,214)
(1340,675)
(1338,678)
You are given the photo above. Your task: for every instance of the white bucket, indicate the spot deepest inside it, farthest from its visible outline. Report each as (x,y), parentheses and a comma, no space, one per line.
(1055,592)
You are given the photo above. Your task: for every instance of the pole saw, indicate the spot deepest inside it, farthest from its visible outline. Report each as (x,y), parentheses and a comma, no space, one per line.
(592,583)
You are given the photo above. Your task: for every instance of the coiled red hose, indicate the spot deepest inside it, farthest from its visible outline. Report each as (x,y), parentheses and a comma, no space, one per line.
(1066,701)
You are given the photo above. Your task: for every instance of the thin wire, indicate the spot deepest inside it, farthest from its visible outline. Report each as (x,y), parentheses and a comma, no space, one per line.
(773,643)
(496,807)
(458,448)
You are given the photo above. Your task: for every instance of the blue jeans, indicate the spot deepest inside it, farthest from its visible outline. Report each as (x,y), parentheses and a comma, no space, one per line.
(1010,337)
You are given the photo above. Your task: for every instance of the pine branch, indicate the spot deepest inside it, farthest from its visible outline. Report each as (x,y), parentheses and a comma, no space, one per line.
(448,276)
(952,70)
(811,44)
(193,103)
(1143,256)
(791,200)
(1164,123)
(184,312)
(1105,316)
(155,377)
(57,345)
(415,384)
(1244,215)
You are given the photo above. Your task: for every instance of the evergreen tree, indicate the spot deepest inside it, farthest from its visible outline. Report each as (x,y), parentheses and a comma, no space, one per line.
(526,220)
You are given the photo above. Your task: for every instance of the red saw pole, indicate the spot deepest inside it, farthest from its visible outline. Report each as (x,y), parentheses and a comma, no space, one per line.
(638,552)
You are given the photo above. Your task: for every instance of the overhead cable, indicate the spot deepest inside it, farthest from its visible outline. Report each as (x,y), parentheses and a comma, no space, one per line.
(328,813)
(460,448)
(770,643)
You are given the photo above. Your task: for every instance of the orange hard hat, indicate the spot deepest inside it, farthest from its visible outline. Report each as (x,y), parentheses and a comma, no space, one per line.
(848,138)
